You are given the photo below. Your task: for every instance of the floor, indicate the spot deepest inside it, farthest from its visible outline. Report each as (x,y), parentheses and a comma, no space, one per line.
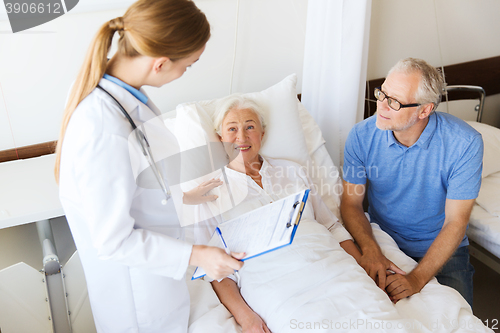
(486,304)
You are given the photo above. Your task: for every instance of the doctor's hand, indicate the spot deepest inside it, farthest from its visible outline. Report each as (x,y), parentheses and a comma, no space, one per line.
(198,194)
(216,263)
(376,265)
(401,286)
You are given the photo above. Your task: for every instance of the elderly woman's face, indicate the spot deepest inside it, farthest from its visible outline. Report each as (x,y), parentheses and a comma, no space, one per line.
(243,130)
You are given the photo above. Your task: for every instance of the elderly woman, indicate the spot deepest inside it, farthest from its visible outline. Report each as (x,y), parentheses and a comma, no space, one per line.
(253,181)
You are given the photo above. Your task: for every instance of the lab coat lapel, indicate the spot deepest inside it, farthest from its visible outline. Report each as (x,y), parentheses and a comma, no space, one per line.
(138,111)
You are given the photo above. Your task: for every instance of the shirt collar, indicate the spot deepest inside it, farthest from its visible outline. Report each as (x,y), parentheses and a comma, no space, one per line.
(391,140)
(265,166)
(137,93)
(425,138)
(262,171)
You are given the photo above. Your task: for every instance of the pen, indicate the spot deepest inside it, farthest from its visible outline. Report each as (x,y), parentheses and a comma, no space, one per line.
(226,249)
(222,240)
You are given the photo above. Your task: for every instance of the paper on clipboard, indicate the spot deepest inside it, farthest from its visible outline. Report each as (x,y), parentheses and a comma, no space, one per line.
(262,230)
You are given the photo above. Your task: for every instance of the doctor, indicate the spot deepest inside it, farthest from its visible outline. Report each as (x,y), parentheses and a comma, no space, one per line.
(131,246)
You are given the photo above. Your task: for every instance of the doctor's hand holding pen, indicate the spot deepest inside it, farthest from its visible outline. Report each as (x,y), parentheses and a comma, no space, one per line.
(215,261)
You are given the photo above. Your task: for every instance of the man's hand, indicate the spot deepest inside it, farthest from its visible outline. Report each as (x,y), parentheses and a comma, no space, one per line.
(376,265)
(401,286)
(372,260)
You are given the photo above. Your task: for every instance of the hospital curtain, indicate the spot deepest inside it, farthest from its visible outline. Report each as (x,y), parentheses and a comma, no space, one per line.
(335,63)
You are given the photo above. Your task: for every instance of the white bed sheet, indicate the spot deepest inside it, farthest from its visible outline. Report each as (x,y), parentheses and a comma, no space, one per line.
(484,222)
(436,308)
(484,229)
(489,194)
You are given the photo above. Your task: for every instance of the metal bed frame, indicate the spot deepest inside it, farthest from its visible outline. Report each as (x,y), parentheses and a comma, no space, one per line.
(471,89)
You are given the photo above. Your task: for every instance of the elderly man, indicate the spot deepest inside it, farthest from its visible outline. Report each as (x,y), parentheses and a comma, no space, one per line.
(424,172)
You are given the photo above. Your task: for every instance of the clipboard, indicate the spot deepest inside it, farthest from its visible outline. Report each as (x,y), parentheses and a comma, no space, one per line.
(262,230)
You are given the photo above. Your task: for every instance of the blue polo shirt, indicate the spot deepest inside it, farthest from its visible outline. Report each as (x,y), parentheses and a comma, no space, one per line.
(408,186)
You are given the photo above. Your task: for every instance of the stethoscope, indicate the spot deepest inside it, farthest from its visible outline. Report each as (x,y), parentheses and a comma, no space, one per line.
(146,149)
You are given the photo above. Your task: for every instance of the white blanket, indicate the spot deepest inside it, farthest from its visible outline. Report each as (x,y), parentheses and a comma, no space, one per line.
(314,286)
(484,229)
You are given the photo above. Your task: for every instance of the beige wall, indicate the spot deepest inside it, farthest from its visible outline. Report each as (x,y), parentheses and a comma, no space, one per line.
(443,32)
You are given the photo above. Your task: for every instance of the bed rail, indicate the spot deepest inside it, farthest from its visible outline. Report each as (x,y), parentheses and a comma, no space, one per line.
(472,89)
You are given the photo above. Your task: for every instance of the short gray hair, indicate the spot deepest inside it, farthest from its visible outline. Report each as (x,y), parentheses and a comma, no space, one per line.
(239,102)
(431,84)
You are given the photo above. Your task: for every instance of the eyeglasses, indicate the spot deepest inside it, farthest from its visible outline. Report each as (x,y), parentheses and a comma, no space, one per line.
(392,102)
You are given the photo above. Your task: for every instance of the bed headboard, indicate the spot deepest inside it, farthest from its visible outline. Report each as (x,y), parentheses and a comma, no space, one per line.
(39,149)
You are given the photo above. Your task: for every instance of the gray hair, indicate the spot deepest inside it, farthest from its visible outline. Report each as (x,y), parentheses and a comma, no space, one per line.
(431,83)
(239,102)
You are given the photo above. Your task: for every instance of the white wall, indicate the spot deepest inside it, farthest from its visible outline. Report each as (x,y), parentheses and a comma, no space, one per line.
(38,66)
(443,32)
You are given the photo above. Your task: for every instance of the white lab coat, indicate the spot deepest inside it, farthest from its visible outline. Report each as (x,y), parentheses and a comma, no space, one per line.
(130,245)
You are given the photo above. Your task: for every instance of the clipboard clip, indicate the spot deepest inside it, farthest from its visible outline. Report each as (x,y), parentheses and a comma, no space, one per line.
(289,224)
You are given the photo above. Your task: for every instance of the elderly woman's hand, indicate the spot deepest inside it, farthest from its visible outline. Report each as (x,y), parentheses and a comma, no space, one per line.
(254,324)
(198,194)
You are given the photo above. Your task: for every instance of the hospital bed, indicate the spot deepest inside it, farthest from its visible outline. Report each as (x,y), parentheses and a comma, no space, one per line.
(42,285)
(484,223)
(294,135)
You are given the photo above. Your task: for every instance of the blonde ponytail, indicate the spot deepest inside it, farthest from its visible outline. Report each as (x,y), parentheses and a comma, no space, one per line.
(91,72)
(154,28)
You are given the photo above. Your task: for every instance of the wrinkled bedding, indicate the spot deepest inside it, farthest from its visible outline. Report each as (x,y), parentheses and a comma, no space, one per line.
(314,286)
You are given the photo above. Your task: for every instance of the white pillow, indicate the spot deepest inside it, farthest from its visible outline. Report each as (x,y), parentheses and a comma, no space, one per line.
(489,195)
(312,132)
(284,137)
(491,139)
